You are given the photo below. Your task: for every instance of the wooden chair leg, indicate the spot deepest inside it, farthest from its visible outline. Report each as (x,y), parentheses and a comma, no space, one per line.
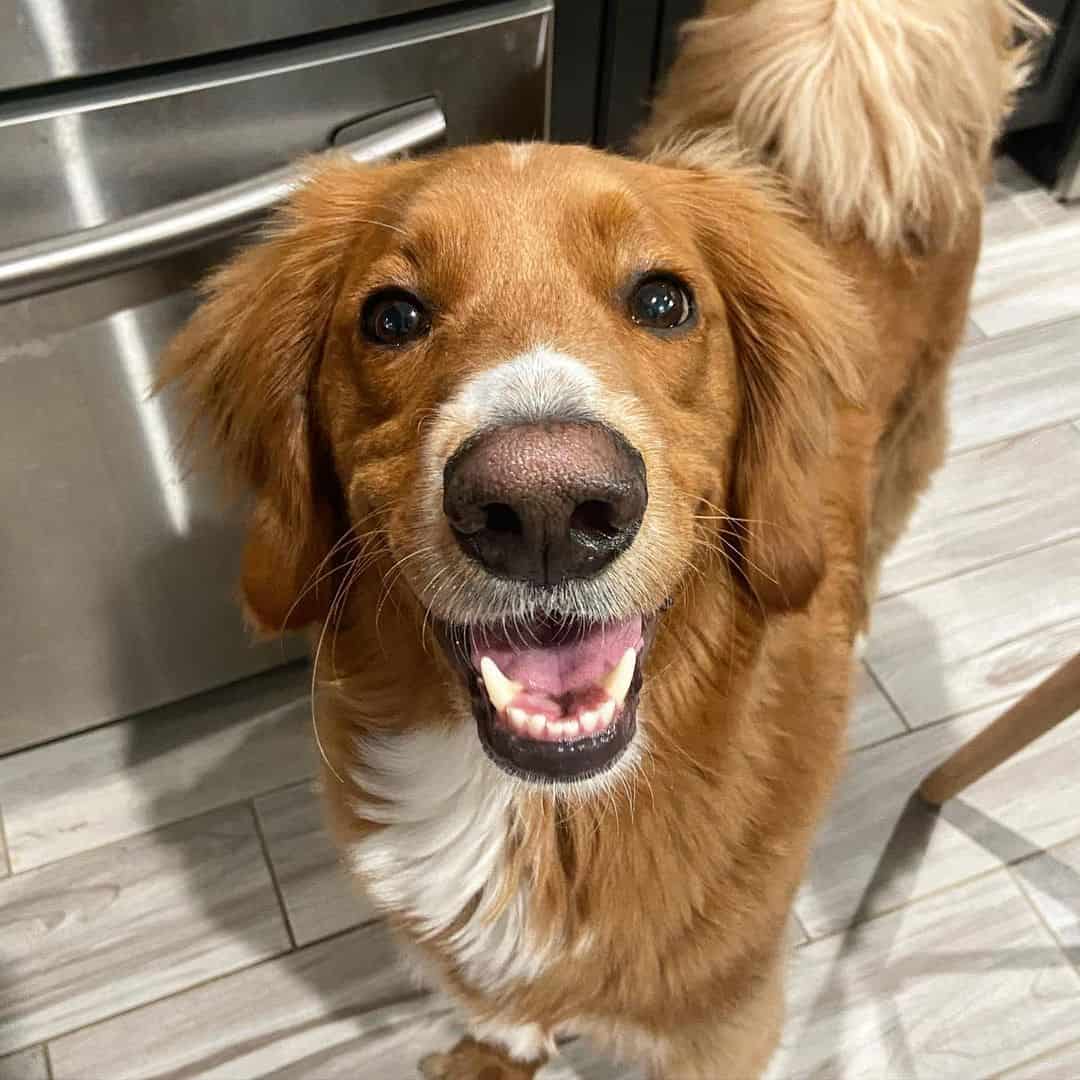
(1053,700)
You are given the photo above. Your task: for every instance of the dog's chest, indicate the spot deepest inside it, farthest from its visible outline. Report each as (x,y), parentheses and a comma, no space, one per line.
(444,812)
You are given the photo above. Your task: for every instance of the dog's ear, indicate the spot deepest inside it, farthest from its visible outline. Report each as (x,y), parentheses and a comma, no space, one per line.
(801,342)
(246,364)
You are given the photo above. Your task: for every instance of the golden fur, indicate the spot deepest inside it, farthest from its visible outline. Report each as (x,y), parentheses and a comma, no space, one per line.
(880,114)
(786,435)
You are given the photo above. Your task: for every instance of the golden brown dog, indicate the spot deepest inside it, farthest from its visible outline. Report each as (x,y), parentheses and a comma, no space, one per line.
(580,468)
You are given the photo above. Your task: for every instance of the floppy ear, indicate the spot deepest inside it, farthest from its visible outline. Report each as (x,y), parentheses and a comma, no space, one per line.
(801,341)
(246,364)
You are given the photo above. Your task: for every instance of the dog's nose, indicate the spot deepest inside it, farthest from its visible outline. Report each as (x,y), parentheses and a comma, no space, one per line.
(545,502)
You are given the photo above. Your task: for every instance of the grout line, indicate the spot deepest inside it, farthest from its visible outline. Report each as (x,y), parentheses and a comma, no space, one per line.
(966,347)
(1019,201)
(1006,440)
(995,560)
(1062,948)
(1047,1056)
(1013,639)
(884,741)
(794,915)
(972,336)
(888,697)
(1027,238)
(273,959)
(1049,426)
(1005,703)
(896,736)
(975,569)
(273,874)
(361,924)
(1006,867)
(5,854)
(276,678)
(910,902)
(1029,855)
(124,837)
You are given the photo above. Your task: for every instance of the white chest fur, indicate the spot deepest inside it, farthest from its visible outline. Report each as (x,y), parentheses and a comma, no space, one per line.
(445,809)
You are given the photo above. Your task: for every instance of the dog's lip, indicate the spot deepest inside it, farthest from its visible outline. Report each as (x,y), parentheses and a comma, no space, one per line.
(544,757)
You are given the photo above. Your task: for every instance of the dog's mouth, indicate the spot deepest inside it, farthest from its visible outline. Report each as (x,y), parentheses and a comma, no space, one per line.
(555,699)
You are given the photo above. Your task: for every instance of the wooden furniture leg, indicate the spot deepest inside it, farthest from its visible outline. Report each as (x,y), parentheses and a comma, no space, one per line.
(1053,700)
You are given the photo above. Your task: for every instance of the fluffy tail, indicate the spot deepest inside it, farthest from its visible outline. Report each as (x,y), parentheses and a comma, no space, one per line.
(880,114)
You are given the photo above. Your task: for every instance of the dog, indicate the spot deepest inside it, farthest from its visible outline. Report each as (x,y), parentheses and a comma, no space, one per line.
(579,469)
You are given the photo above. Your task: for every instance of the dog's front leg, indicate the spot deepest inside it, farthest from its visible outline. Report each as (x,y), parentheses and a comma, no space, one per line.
(492,1051)
(474,1060)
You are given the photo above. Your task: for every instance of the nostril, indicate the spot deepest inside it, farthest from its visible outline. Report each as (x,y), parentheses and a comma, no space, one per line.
(595,519)
(500,518)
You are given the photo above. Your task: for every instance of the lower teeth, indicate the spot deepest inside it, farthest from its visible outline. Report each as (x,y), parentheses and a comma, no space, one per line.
(586,722)
(611,691)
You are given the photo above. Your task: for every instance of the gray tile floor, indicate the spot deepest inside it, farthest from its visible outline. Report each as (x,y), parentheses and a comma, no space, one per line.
(169,906)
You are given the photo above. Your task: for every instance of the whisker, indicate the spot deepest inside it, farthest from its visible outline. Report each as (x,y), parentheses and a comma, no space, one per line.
(381,224)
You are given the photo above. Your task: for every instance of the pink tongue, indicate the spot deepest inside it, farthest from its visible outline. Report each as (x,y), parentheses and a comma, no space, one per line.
(554,662)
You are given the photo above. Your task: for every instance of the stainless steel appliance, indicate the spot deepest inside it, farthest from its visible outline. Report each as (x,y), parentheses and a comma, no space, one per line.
(136,141)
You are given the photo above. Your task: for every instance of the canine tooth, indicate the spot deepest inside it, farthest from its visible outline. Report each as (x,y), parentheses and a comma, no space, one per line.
(519,718)
(617,683)
(555,728)
(500,690)
(571,729)
(537,724)
(607,712)
(589,720)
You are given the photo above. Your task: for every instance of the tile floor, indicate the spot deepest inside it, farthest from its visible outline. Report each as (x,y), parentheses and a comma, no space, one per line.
(169,906)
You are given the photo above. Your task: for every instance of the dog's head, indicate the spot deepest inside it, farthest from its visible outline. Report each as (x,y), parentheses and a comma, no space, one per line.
(535,389)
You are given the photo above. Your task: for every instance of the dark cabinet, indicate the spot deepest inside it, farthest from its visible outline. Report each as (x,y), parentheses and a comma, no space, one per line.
(608,57)
(1044,132)
(1047,97)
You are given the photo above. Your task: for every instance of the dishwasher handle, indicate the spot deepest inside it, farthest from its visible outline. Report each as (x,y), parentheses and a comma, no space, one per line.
(56,263)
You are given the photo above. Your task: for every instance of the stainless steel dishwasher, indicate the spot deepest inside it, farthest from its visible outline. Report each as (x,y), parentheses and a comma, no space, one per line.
(137,141)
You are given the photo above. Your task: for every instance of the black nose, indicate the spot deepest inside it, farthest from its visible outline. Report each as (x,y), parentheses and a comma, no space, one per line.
(545,502)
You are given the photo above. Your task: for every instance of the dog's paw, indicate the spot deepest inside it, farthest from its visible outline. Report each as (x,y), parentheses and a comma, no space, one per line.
(436,1067)
(472,1060)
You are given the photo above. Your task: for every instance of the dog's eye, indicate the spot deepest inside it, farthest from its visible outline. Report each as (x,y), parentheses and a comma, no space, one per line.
(393,318)
(660,303)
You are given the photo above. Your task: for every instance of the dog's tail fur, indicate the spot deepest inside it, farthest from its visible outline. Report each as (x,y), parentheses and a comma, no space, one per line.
(879,114)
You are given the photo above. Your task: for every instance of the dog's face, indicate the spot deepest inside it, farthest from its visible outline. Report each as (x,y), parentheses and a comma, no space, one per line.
(534,389)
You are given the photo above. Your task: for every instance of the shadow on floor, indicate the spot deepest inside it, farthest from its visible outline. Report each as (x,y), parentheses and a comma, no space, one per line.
(890,889)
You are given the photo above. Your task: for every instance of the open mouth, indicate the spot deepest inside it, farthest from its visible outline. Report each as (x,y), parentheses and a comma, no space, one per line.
(554,700)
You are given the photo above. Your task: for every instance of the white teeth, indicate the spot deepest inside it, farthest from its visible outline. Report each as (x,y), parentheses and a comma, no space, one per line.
(500,690)
(607,712)
(617,683)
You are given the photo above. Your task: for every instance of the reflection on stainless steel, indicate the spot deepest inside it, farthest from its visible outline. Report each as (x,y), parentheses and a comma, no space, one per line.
(111,35)
(155,140)
(117,573)
(107,249)
(226,72)
(89,205)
